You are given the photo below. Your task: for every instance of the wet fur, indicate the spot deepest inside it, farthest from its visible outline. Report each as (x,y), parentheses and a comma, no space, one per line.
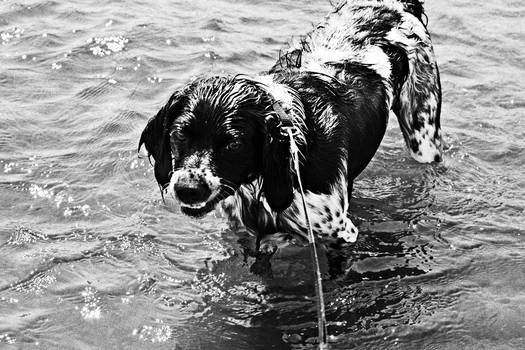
(338,85)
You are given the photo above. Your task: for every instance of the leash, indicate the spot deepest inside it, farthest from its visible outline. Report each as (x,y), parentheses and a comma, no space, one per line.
(321,314)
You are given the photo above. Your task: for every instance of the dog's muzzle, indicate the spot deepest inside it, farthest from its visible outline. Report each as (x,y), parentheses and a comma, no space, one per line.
(197,189)
(191,190)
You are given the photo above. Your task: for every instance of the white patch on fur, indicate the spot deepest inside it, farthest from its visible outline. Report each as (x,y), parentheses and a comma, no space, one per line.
(232,206)
(391,4)
(317,61)
(317,67)
(203,172)
(279,92)
(377,60)
(248,195)
(289,101)
(331,41)
(319,58)
(328,213)
(427,150)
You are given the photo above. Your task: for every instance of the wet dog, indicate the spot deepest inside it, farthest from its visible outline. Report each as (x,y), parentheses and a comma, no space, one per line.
(219,140)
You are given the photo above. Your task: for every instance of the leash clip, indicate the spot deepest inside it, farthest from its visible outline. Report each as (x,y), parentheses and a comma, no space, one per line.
(291,132)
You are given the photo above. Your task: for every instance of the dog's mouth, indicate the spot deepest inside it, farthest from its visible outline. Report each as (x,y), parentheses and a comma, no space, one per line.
(197,209)
(200,209)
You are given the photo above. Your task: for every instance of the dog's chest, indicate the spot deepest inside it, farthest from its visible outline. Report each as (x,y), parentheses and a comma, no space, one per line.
(328,213)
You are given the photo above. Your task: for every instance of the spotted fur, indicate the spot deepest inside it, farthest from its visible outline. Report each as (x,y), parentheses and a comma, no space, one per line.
(390,38)
(220,139)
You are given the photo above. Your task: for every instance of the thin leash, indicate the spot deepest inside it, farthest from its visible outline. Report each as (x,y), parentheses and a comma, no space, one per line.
(321,313)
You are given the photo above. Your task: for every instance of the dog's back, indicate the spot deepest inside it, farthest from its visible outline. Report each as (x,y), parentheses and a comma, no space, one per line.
(390,38)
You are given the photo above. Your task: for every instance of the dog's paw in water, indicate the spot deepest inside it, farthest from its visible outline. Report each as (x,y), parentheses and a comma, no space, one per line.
(287,260)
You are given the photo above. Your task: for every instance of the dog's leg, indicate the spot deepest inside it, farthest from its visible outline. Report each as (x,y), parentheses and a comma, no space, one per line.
(418,104)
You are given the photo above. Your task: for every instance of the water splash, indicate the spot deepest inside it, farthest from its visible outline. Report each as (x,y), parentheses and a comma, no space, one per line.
(36,285)
(157,333)
(105,46)
(10,34)
(23,235)
(40,192)
(91,309)
(77,210)
(7,338)
(8,167)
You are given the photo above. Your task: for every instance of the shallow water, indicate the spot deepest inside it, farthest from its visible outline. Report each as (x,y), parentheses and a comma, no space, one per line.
(90,257)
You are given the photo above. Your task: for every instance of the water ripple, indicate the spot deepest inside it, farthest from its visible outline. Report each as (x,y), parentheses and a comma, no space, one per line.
(91,257)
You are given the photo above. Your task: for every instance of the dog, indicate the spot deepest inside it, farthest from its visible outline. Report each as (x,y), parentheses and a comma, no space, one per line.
(221,142)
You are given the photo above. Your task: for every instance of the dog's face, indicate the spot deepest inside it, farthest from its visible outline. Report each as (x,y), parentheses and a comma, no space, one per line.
(212,137)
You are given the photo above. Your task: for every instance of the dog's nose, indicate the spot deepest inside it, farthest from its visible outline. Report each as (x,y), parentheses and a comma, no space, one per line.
(193,192)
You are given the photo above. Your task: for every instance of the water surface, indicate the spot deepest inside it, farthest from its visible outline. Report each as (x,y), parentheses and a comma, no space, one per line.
(91,259)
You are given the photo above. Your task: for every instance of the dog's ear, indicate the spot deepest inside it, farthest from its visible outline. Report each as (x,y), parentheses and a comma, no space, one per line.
(155,137)
(277,167)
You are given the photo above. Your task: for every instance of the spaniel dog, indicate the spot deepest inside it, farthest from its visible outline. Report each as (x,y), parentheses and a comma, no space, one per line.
(219,141)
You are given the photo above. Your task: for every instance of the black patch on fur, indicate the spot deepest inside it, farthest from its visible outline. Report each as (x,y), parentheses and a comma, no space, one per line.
(277,171)
(400,68)
(382,21)
(415,7)
(357,113)
(156,138)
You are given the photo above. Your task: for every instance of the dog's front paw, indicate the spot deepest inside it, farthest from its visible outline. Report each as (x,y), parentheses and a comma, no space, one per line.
(268,247)
(269,244)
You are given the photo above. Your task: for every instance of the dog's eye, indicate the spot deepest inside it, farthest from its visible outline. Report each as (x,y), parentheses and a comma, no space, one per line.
(234,146)
(180,137)
(177,135)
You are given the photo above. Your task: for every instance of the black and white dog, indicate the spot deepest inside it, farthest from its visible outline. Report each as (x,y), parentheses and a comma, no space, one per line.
(219,140)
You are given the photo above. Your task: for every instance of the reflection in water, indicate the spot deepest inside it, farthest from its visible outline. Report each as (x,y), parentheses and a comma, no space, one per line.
(367,287)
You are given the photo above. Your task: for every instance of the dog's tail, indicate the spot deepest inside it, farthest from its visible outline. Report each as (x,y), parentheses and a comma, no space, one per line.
(418,101)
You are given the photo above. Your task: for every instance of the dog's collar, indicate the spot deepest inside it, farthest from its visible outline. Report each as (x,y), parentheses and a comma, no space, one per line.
(285,124)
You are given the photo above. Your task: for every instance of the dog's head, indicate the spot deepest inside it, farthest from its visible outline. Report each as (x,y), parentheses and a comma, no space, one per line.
(215,135)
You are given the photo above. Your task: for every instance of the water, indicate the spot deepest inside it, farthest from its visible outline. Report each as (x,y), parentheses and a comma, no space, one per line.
(91,259)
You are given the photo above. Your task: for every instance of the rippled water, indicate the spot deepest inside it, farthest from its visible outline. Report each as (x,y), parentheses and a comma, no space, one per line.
(91,259)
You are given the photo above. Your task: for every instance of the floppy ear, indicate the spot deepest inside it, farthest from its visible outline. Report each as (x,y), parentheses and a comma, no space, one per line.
(156,138)
(277,169)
